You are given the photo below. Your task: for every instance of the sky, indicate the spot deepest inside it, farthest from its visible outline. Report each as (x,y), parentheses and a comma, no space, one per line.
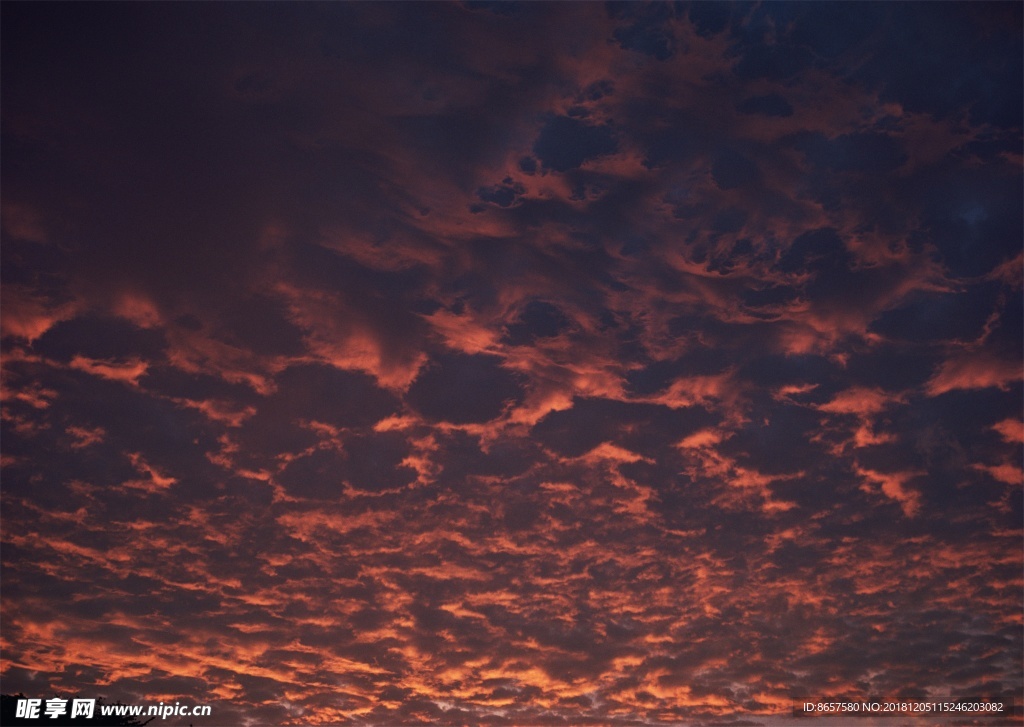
(512,364)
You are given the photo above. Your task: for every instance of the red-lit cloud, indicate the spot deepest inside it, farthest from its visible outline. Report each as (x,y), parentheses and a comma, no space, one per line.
(511,364)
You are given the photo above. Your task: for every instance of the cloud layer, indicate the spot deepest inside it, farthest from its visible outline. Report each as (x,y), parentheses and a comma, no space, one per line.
(512,363)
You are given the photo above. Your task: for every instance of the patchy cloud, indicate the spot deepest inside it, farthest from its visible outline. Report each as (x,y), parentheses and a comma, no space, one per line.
(512,363)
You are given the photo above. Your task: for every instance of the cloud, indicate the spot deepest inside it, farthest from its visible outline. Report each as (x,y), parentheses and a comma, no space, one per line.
(128,371)
(860,401)
(511,363)
(1010,430)
(29,317)
(893,486)
(973,371)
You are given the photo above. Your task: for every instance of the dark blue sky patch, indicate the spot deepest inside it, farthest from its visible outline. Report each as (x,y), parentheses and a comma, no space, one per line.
(649,38)
(975,226)
(463,389)
(769,105)
(320,267)
(830,30)
(865,152)
(772,62)
(565,143)
(498,8)
(26,262)
(465,458)
(268,435)
(502,195)
(768,371)
(174,440)
(1003,336)
(539,319)
(459,137)
(528,165)
(137,422)
(978,74)
(101,338)
(163,379)
(768,296)
(373,461)
(323,393)
(680,142)
(710,19)
(47,483)
(883,368)
(990,147)
(317,475)
(815,251)
(652,378)
(782,445)
(597,91)
(732,170)
(641,427)
(964,433)
(261,324)
(937,317)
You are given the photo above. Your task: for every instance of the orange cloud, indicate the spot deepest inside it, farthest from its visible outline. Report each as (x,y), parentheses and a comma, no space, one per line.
(125,371)
(703,438)
(225,412)
(464,332)
(1011,430)
(1010,474)
(28,316)
(155,480)
(860,401)
(787,393)
(138,309)
(698,391)
(894,486)
(973,371)
(609,452)
(86,436)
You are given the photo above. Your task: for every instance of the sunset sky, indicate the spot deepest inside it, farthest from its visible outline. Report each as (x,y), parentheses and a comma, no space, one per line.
(512,364)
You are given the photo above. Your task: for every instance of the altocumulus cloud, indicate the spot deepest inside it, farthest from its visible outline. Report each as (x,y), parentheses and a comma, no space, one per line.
(512,363)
